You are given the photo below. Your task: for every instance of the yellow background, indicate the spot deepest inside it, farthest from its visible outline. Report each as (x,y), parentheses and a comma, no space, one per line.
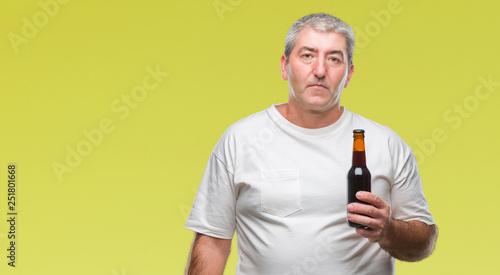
(122,209)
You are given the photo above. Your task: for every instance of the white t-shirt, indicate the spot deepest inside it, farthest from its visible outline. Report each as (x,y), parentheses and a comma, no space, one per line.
(283,188)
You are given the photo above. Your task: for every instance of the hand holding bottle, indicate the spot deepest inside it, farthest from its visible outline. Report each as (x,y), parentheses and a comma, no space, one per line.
(375,217)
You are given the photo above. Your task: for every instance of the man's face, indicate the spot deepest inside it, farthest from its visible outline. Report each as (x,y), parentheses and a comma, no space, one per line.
(317,70)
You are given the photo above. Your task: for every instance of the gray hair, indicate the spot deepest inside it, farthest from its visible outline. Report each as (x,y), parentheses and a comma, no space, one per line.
(320,22)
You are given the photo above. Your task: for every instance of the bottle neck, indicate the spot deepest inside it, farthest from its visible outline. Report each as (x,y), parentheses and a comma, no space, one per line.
(358,153)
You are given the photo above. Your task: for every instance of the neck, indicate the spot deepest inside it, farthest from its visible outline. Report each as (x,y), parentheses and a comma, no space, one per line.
(307,118)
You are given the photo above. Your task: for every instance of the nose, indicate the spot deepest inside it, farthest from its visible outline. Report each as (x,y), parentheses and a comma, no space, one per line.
(319,69)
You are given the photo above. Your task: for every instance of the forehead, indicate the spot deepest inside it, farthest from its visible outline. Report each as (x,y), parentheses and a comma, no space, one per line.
(321,41)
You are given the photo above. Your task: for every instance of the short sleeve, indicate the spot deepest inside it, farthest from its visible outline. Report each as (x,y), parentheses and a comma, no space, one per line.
(213,211)
(407,195)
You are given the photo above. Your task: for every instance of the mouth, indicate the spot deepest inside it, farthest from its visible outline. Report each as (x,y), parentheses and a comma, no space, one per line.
(318,86)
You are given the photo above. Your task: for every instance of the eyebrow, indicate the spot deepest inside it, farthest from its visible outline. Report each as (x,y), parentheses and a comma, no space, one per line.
(315,50)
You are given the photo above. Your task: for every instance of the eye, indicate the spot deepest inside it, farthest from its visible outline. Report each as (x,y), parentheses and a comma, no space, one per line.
(307,56)
(334,59)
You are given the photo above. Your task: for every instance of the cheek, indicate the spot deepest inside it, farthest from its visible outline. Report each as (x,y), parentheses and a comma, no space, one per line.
(296,81)
(338,75)
(299,74)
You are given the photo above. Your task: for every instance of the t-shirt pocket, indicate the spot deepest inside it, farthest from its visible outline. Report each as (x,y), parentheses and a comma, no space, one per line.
(280,192)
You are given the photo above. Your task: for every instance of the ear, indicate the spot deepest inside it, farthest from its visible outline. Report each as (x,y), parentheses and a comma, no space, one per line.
(349,75)
(283,67)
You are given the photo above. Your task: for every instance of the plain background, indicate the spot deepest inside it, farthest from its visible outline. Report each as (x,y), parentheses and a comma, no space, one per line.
(121,205)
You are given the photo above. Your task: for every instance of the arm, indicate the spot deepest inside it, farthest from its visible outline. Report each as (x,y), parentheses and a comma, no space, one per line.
(407,241)
(208,255)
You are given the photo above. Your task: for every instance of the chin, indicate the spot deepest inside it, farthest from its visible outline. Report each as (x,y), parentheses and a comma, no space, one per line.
(319,107)
(319,102)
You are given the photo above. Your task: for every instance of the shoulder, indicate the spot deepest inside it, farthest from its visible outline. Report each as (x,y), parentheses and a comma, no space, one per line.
(374,127)
(248,124)
(379,133)
(240,133)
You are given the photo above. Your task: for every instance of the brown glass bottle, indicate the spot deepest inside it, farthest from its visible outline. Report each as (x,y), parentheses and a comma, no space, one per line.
(358,177)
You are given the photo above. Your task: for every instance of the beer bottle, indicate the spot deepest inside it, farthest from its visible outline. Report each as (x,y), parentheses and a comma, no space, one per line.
(358,177)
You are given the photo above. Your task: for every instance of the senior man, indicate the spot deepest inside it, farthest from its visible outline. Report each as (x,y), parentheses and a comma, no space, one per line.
(286,198)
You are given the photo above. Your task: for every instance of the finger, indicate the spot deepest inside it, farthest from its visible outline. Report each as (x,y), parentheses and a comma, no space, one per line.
(364,209)
(366,215)
(371,199)
(360,219)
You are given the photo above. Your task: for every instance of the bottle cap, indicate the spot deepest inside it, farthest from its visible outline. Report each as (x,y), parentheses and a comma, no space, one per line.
(359,131)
